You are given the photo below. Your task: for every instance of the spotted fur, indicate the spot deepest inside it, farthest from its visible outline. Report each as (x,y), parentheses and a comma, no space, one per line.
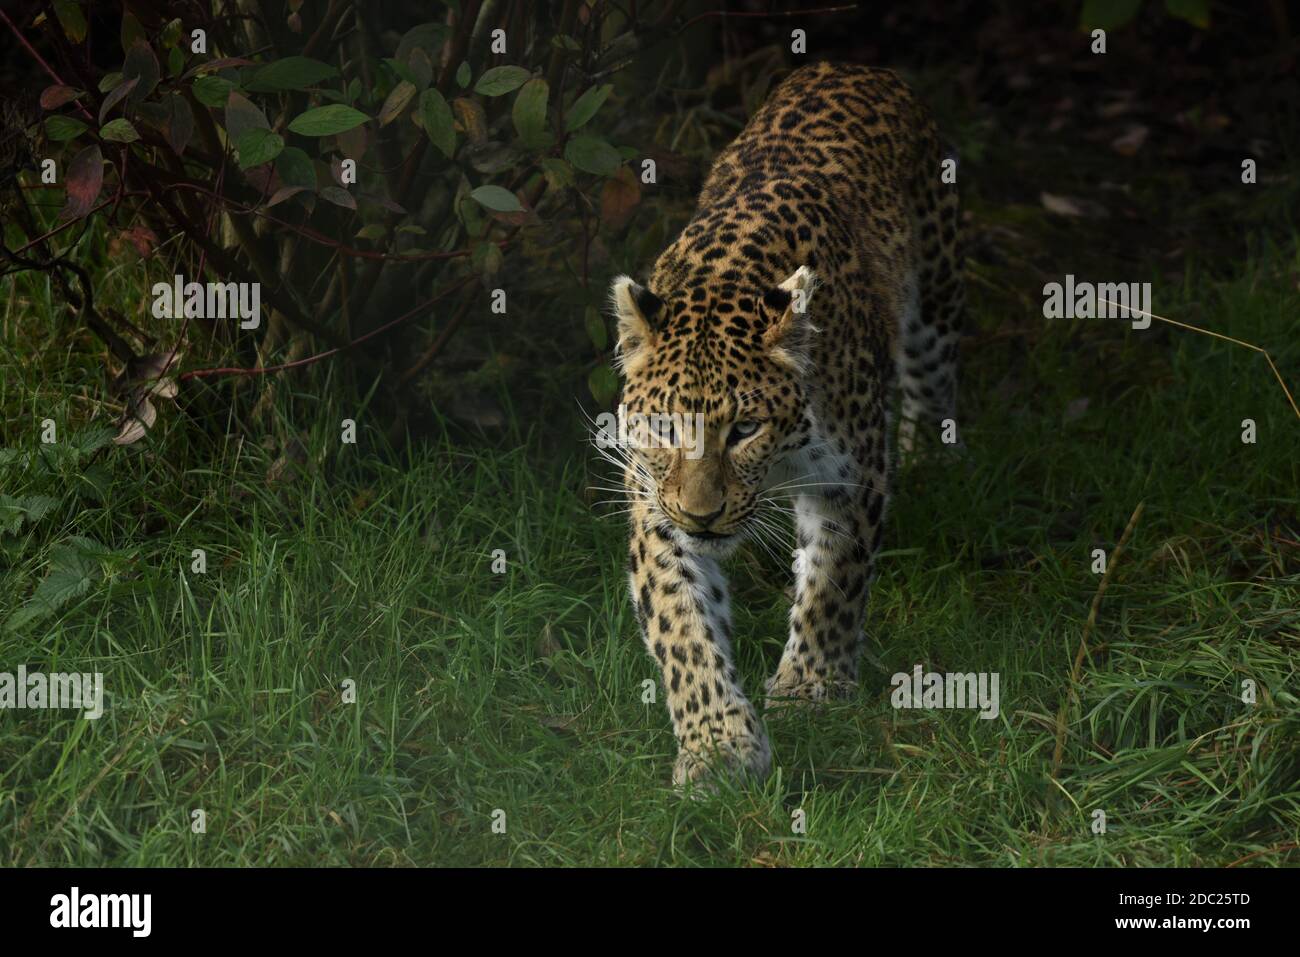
(820,269)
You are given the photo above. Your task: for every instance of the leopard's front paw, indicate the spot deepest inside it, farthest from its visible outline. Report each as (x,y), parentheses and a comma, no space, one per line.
(789,688)
(736,756)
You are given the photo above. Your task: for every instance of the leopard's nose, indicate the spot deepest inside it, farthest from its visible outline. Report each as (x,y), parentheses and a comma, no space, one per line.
(702,522)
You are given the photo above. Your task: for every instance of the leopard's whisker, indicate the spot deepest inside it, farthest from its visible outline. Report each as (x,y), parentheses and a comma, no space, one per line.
(763,536)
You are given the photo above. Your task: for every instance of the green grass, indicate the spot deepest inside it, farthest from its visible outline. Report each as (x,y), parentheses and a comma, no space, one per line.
(522,692)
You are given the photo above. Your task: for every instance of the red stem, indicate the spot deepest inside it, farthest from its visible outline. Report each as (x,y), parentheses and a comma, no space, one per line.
(324,240)
(263,370)
(39,59)
(763,16)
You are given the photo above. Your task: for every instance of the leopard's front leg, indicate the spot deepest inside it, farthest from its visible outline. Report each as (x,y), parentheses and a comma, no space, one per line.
(682,607)
(839,528)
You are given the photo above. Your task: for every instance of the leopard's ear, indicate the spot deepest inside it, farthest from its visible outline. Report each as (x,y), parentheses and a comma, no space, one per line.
(638,311)
(788,336)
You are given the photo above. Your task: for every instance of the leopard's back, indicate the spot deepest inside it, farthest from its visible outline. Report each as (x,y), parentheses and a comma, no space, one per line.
(859,127)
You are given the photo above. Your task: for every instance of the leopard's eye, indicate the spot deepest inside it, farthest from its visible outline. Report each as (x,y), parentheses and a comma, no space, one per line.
(742,430)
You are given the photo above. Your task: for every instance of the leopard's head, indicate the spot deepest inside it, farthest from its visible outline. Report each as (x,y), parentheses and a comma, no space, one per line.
(716,394)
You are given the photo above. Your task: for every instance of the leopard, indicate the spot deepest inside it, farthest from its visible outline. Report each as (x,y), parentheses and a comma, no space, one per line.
(807,318)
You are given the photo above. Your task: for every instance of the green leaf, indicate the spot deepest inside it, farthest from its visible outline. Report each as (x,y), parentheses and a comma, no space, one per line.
(242,116)
(53,97)
(497,198)
(93,440)
(1108,14)
(29,508)
(1195,12)
(529,113)
(487,259)
(153,114)
(585,106)
(338,196)
(132,30)
(171,33)
(372,231)
(471,214)
(472,118)
(74,566)
(501,80)
(142,65)
(99,481)
(71,19)
(116,95)
(36,506)
(463,75)
(559,174)
(296,168)
(328,120)
(427,38)
(212,90)
(11,515)
(596,330)
(288,192)
(78,548)
(492,158)
(438,123)
(180,122)
(604,385)
(221,63)
(291,73)
(62,585)
(58,588)
(109,81)
(402,70)
(396,102)
(592,154)
(258,146)
(422,67)
(119,131)
(63,128)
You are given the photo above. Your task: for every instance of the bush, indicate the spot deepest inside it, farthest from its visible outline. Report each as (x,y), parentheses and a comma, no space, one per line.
(361,171)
